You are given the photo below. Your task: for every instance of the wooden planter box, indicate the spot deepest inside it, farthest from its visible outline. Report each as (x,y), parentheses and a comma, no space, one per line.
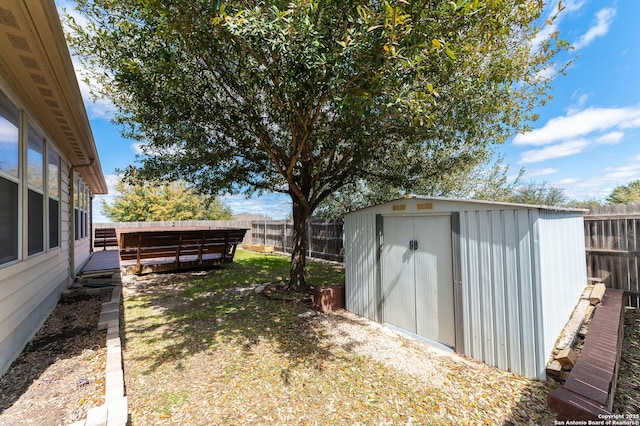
(330,298)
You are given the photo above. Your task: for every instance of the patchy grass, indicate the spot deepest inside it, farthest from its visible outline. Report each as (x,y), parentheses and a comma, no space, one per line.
(205,349)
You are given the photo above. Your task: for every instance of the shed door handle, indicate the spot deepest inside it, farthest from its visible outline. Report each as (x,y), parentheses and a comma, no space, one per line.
(413,245)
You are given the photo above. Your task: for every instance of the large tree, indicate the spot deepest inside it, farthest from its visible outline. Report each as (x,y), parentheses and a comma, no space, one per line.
(305,97)
(625,194)
(484,181)
(539,193)
(162,201)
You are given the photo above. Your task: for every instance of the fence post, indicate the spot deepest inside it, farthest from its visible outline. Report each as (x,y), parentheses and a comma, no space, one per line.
(284,236)
(309,236)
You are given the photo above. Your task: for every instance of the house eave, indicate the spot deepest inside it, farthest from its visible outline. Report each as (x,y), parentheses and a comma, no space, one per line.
(35,62)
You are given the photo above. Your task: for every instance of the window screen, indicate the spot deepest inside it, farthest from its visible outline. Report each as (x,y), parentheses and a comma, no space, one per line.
(35,182)
(53,175)
(9,180)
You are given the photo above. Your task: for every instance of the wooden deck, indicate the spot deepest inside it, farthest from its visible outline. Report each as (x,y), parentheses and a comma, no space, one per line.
(145,251)
(102,261)
(148,250)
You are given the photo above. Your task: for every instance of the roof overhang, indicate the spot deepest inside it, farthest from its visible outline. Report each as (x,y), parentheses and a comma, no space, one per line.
(35,61)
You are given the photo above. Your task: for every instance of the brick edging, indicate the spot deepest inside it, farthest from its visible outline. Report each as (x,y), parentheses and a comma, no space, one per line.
(114,411)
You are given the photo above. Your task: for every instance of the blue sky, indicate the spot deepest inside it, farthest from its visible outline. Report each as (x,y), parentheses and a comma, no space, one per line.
(586,141)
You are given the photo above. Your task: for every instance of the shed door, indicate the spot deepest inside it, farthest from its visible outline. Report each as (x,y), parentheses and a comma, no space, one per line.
(417,282)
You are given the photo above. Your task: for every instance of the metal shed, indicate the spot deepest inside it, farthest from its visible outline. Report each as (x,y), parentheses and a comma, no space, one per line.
(494,281)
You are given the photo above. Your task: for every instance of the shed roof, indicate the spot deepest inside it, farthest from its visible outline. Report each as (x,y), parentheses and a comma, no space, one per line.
(497,204)
(35,61)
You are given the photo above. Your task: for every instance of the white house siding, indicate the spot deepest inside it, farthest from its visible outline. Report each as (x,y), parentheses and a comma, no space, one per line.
(30,289)
(82,252)
(37,78)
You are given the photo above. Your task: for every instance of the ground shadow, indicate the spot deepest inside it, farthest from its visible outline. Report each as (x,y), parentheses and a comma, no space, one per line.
(200,312)
(70,329)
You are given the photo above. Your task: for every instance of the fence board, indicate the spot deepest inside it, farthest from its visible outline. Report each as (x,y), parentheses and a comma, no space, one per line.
(612,242)
(325,237)
(612,236)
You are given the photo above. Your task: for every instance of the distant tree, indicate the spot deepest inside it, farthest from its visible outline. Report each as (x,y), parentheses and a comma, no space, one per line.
(148,201)
(538,193)
(584,204)
(625,194)
(307,97)
(483,182)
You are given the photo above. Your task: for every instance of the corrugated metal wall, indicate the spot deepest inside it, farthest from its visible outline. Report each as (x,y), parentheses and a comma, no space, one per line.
(521,272)
(360,255)
(498,279)
(562,248)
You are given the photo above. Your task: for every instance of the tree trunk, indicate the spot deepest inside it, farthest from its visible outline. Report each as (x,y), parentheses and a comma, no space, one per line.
(297,279)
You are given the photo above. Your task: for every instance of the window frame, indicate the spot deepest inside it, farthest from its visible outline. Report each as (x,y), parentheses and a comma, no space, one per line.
(32,190)
(15,179)
(57,198)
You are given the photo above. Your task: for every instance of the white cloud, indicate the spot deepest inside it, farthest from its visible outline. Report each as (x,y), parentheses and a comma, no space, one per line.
(540,172)
(8,132)
(137,148)
(68,7)
(563,149)
(610,138)
(580,124)
(97,107)
(98,216)
(555,18)
(605,180)
(603,21)
(601,186)
(275,206)
(566,181)
(580,102)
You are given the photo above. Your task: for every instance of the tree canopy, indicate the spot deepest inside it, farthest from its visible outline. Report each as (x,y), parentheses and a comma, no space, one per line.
(625,194)
(306,98)
(538,193)
(167,201)
(486,181)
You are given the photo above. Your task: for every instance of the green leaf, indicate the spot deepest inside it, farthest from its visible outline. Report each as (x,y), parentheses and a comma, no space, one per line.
(449,52)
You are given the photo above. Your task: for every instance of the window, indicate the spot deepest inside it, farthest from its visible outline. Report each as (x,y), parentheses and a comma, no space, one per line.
(76,208)
(53,179)
(85,212)
(9,180)
(81,209)
(35,197)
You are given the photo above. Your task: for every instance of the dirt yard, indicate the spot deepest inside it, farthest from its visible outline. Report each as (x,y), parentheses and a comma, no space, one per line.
(200,353)
(60,374)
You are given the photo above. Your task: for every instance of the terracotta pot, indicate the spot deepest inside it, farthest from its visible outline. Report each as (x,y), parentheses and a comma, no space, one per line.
(329,298)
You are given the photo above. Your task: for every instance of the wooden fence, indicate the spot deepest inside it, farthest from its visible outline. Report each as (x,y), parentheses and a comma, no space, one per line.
(211,224)
(612,240)
(325,237)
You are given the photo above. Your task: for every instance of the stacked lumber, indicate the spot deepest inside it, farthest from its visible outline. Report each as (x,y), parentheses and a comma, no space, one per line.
(566,353)
(262,248)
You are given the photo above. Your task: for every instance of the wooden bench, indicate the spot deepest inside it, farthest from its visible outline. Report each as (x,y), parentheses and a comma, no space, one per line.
(159,251)
(589,390)
(105,237)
